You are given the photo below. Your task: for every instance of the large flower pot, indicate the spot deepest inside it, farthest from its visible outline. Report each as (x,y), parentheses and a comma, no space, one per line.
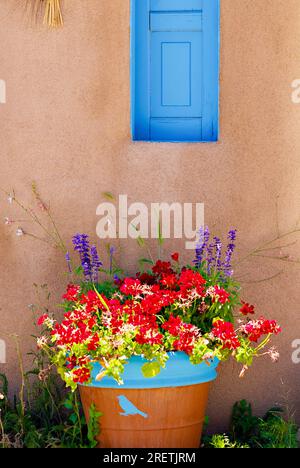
(166,411)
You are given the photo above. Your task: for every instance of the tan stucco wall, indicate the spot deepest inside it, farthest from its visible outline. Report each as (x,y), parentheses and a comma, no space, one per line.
(66,125)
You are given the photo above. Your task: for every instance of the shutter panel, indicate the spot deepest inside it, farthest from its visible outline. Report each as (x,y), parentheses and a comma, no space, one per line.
(175,70)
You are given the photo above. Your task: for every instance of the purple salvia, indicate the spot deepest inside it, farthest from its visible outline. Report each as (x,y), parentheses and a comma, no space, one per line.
(68,260)
(201,247)
(95,263)
(218,247)
(87,271)
(81,245)
(227,268)
(210,257)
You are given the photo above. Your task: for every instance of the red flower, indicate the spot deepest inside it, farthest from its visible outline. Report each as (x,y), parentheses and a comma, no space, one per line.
(173,325)
(247,309)
(42,319)
(91,300)
(190,279)
(221,295)
(186,334)
(148,335)
(131,286)
(255,329)
(74,361)
(162,268)
(170,281)
(185,343)
(72,293)
(82,375)
(146,278)
(66,334)
(224,331)
(93,343)
(175,257)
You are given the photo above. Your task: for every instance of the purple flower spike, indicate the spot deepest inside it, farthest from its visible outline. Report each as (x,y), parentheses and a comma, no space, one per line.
(204,236)
(95,264)
(218,247)
(210,258)
(230,249)
(81,245)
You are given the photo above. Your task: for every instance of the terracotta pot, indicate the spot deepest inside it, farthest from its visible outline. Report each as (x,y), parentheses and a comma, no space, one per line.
(166,411)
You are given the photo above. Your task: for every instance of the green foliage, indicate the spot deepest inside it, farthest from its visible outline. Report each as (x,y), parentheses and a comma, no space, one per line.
(222,441)
(47,419)
(93,425)
(151,369)
(275,432)
(249,431)
(244,425)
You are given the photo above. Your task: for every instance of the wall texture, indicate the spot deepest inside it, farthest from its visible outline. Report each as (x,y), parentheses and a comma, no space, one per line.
(66,124)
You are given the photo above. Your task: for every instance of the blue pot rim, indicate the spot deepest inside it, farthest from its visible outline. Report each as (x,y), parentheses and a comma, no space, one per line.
(179,372)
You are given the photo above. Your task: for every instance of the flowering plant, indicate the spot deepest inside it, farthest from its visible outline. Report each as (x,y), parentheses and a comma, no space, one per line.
(165,309)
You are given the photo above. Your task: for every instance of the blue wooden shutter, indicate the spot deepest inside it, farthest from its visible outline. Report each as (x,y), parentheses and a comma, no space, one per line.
(174,75)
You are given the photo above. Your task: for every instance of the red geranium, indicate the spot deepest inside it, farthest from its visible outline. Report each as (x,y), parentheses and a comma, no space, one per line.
(149,335)
(72,293)
(190,279)
(247,309)
(131,286)
(81,375)
(42,319)
(224,331)
(175,257)
(255,329)
(146,278)
(92,301)
(169,281)
(186,334)
(221,295)
(161,268)
(173,325)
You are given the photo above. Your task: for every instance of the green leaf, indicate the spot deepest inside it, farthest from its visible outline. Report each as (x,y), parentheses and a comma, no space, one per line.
(145,260)
(151,369)
(78,271)
(160,237)
(73,418)
(101,299)
(68,405)
(93,425)
(140,241)
(108,196)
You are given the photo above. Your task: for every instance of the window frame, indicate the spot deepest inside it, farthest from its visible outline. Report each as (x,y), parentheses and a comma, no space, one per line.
(140,71)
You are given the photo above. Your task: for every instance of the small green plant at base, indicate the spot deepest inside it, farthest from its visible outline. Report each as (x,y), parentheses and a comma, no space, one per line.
(222,441)
(47,418)
(274,430)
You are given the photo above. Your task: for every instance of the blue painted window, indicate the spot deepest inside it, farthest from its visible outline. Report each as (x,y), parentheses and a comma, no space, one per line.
(175,70)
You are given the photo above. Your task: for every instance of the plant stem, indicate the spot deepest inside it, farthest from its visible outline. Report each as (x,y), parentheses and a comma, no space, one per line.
(264,246)
(22,389)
